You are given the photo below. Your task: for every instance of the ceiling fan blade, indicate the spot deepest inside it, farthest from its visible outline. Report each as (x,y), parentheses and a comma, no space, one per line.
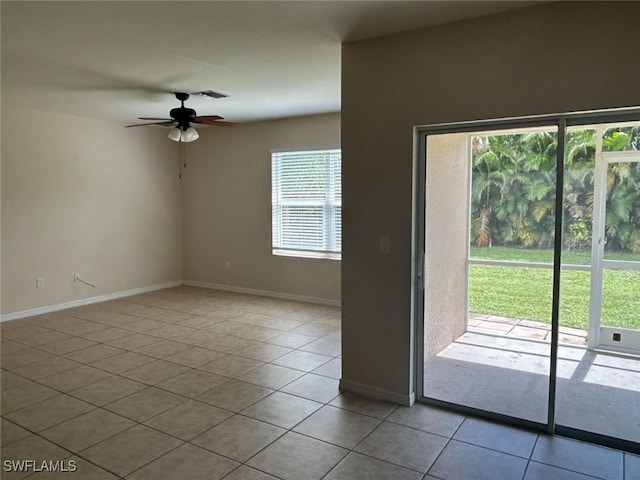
(207,117)
(212,122)
(166,123)
(211,94)
(156,119)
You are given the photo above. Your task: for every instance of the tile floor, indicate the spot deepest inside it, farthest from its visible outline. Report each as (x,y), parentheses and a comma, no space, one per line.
(192,384)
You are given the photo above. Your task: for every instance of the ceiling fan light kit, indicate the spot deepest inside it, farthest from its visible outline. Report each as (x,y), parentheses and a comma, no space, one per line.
(182,118)
(188,135)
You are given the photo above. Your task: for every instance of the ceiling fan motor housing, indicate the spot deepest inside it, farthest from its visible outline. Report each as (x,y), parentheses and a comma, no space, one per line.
(182,115)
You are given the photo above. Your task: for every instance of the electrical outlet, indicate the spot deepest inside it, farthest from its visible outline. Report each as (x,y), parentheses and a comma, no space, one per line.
(227,265)
(76,277)
(40,282)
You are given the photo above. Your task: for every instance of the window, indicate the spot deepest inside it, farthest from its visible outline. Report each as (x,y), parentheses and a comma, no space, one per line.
(307,203)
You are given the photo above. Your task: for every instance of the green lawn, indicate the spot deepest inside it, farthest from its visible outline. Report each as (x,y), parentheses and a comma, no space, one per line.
(519,292)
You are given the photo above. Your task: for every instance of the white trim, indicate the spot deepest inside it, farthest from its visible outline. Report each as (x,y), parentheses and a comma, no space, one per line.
(87,301)
(263,293)
(377,393)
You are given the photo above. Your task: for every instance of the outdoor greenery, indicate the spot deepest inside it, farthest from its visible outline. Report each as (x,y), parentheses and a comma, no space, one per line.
(514,190)
(513,218)
(519,292)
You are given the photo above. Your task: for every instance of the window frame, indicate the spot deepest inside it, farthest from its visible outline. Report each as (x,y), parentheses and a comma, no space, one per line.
(332,244)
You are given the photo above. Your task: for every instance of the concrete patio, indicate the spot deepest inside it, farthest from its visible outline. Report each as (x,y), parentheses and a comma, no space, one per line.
(518,328)
(596,392)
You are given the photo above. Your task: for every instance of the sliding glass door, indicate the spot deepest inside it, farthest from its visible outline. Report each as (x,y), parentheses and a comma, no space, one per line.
(527,240)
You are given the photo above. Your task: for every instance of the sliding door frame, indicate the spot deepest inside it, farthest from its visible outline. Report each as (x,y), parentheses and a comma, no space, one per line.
(561,122)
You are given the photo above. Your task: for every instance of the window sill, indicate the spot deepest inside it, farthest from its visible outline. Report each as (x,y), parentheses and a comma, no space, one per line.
(307,254)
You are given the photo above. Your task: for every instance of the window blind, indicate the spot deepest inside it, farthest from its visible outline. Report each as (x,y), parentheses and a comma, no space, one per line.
(307,201)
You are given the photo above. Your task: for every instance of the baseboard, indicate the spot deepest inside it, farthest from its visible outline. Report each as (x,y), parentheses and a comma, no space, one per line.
(263,293)
(377,393)
(87,301)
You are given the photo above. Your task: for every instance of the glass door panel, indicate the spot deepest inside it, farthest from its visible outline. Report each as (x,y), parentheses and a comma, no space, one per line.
(598,383)
(489,221)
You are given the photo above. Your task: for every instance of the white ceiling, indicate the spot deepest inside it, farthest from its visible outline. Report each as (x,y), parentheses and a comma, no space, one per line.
(120,60)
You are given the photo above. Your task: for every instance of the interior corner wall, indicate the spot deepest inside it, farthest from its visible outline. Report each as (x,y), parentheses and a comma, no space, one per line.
(227,209)
(85,196)
(550,58)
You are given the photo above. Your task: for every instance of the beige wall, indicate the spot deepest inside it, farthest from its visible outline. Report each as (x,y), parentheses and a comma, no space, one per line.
(227,209)
(446,240)
(544,59)
(86,196)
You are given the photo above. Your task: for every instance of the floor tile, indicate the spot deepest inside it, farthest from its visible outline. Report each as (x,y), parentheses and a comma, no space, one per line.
(314,387)
(86,430)
(366,406)
(540,471)
(187,462)
(77,468)
(133,342)
(324,346)
(291,340)
(460,461)
(247,473)
(188,419)
(162,349)
(40,416)
(24,395)
(147,403)
(505,439)
(315,458)
(579,456)
(122,362)
(154,372)
(305,361)
(192,383)
(265,352)
(10,380)
(231,366)
(11,432)
(271,376)
(239,437)
(75,378)
(407,447)
(43,338)
(130,450)
(340,427)
(195,356)
(68,345)
(427,418)
(8,347)
(314,329)
(361,467)
(106,334)
(631,466)
(234,395)
(32,447)
(108,390)
(94,353)
(332,369)
(282,409)
(228,343)
(45,368)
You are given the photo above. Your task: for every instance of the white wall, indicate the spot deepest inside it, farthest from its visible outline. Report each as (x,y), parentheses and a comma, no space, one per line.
(227,209)
(544,59)
(86,196)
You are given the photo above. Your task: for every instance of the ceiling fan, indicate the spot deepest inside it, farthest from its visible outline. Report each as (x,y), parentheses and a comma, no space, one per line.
(182,118)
